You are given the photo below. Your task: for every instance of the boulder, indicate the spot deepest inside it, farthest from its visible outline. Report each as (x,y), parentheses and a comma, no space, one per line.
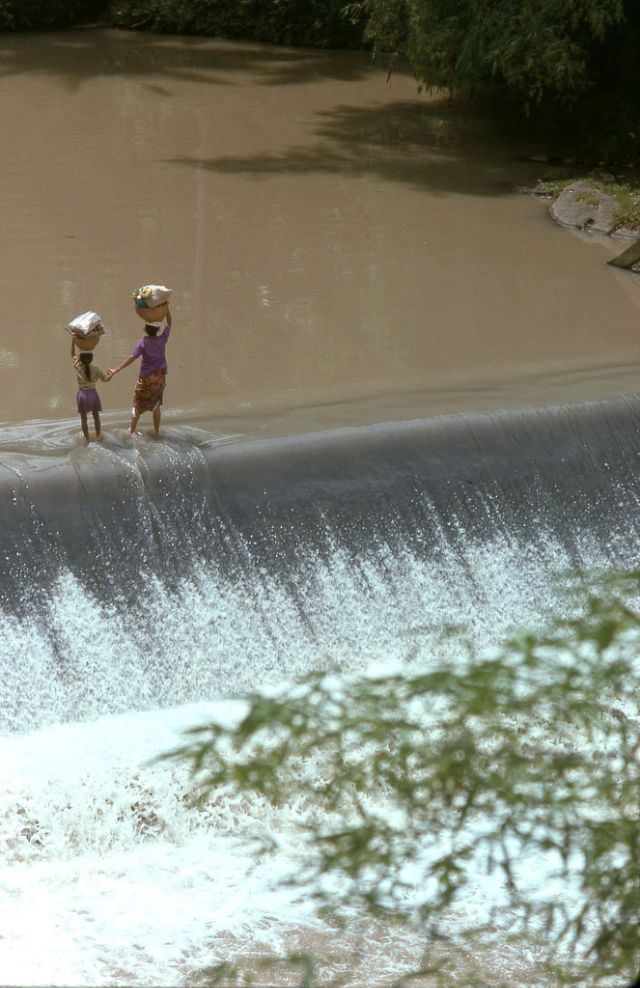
(583,205)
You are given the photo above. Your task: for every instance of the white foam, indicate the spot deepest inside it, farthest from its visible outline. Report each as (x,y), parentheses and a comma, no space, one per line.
(108,873)
(76,657)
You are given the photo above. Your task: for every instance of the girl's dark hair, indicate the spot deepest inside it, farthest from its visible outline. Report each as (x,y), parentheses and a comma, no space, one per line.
(86,358)
(151,330)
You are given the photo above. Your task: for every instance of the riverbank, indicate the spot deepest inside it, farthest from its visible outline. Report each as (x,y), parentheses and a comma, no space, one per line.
(597,202)
(312,24)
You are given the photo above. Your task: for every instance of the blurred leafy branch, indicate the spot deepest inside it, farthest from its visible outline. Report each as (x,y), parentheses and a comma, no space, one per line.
(413,783)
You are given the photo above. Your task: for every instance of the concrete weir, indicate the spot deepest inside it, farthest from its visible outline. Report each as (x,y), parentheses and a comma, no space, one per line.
(117,515)
(194,569)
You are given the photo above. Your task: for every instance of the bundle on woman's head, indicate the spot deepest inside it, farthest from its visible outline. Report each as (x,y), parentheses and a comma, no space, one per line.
(150,296)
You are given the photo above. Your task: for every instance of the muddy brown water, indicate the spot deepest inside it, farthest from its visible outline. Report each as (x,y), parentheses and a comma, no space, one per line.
(342,248)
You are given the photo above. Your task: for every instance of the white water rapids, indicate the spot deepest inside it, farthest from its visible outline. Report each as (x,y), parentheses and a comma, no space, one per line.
(108,875)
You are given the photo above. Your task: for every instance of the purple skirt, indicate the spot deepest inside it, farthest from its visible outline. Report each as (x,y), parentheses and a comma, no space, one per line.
(88,400)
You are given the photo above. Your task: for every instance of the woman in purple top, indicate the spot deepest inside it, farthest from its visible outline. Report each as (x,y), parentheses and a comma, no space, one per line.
(147,396)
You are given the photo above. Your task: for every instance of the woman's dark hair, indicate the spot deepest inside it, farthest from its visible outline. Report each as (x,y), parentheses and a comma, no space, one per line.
(151,330)
(86,358)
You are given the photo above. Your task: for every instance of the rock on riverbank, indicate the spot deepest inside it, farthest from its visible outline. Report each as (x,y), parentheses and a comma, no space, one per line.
(586,206)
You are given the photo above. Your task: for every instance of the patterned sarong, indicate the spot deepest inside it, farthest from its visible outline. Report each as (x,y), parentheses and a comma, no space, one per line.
(148,392)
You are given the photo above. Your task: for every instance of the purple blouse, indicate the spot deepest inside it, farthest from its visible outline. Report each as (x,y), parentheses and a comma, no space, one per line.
(151,349)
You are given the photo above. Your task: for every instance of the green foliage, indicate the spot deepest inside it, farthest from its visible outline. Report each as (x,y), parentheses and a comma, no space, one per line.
(410,783)
(531,46)
(18,15)
(570,66)
(314,23)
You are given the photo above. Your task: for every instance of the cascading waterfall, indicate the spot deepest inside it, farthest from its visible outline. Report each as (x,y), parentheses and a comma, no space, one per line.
(144,588)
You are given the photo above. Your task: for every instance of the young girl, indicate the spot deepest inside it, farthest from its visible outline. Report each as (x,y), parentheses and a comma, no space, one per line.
(87,398)
(149,389)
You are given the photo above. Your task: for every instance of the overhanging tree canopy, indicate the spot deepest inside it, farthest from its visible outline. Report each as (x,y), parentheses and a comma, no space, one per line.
(533,47)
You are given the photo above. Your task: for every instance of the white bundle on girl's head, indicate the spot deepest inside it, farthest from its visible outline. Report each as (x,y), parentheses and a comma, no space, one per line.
(86,322)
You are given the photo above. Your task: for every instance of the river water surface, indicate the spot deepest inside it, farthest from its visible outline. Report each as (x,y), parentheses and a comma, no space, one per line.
(329,235)
(399,398)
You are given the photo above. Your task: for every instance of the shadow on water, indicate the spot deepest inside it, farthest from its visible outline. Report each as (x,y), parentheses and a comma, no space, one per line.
(423,145)
(77,57)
